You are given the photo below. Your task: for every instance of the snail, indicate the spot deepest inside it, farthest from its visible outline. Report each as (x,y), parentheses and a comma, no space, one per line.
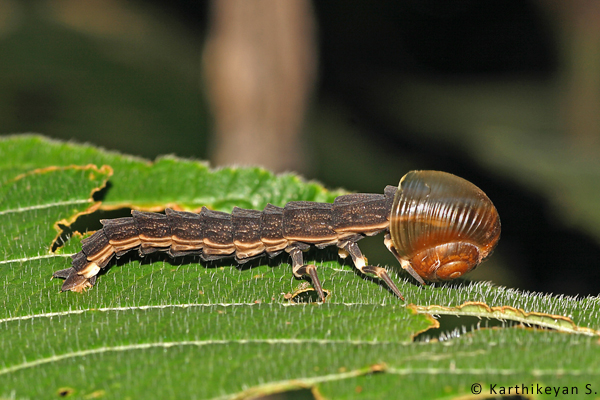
(441,226)
(438,226)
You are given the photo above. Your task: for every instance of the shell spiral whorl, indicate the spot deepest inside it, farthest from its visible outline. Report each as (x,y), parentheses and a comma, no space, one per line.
(442,226)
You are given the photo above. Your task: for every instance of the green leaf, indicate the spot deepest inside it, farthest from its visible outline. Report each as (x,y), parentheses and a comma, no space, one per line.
(175,328)
(140,184)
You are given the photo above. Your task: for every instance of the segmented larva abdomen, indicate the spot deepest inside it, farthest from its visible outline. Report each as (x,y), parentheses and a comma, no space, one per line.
(244,234)
(210,234)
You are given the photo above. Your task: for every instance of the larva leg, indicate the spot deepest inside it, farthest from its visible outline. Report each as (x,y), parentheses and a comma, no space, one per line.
(300,269)
(360,263)
(405,264)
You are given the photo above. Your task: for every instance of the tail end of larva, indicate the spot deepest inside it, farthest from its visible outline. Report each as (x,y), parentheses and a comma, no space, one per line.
(73,280)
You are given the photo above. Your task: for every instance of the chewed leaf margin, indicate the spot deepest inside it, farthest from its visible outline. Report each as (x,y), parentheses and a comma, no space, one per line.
(105,170)
(480,309)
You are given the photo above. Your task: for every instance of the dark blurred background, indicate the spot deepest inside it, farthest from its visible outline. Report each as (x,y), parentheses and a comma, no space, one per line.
(504,93)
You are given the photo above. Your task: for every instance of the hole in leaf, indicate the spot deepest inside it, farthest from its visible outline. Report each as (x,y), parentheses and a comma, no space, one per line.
(87,223)
(65,391)
(300,394)
(101,194)
(455,326)
(308,295)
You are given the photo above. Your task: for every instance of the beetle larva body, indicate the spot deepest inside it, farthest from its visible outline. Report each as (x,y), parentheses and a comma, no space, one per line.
(439,226)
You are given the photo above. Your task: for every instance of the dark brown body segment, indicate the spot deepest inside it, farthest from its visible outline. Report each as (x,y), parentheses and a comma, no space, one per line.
(271,230)
(308,222)
(154,231)
(361,213)
(243,234)
(186,233)
(246,234)
(218,235)
(122,234)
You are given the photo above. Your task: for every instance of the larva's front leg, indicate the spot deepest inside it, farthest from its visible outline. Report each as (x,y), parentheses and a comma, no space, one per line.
(300,269)
(360,262)
(405,265)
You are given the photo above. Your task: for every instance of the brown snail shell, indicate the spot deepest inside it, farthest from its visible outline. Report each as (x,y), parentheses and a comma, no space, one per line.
(442,226)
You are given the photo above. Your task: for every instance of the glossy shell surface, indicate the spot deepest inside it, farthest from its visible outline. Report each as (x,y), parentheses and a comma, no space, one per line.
(442,226)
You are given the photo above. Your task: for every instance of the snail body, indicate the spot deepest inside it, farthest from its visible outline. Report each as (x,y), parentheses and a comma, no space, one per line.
(438,226)
(441,226)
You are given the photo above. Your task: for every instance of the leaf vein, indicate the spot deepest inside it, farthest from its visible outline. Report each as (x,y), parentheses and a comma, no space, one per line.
(153,307)
(166,345)
(48,205)
(16,260)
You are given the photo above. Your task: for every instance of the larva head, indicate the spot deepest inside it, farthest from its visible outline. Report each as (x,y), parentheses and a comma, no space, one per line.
(442,226)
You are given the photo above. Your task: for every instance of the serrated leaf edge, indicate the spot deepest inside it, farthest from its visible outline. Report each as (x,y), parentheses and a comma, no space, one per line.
(480,309)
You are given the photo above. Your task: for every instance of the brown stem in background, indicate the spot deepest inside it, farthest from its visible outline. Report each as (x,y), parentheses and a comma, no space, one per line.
(259,69)
(578,24)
